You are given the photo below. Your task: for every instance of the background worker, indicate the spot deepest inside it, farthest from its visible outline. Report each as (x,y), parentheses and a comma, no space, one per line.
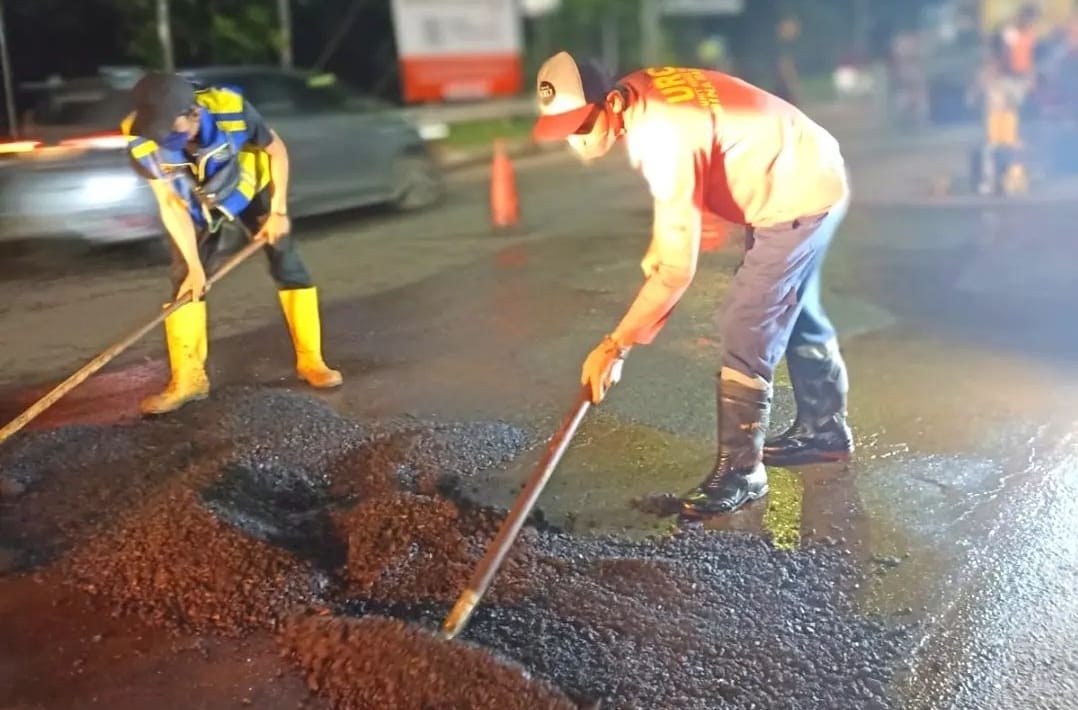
(787,78)
(210,158)
(1006,81)
(708,141)
(1016,44)
(1002,96)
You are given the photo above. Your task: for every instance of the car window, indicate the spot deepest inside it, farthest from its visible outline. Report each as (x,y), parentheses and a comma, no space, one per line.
(90,108)
(324,92)
(284,94)
(319,98)
(271,95)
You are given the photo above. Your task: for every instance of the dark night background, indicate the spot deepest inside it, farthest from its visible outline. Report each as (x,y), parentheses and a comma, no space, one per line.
(74,37)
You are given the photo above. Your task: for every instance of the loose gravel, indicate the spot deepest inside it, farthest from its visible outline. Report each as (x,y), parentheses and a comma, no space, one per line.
(250,509)
(414,549)
(695,620)
(400,666)
(174,564)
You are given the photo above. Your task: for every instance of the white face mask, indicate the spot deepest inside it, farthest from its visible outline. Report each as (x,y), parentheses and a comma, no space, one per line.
(591,146)
(580,145)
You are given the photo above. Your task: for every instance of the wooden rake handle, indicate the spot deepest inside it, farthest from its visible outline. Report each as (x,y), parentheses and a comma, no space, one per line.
(510,528)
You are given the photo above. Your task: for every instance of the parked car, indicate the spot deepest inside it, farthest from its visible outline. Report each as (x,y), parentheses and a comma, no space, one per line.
(69,175)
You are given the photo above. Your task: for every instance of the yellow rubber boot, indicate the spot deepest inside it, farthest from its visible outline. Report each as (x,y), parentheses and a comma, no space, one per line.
(300,308)
(185,335)
(1016,180)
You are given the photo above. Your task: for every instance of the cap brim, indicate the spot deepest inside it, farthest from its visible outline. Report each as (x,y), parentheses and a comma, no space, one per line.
(559,126)
(154,128)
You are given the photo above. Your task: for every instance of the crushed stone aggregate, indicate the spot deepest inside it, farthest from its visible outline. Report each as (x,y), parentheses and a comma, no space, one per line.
(400,666)
(250,509)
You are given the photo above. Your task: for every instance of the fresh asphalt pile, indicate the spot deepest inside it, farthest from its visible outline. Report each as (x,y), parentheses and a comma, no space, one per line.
(403,667)
(83,481)
(412,549)
(253,508)
(696,620)
(174,564)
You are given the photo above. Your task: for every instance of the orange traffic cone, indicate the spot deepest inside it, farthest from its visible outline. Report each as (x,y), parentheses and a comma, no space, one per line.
(504,205)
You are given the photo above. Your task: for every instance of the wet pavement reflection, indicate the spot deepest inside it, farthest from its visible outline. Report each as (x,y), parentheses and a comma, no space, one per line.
(961,504)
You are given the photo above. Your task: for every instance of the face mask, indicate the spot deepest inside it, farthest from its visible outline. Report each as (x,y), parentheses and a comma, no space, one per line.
(591,146)
(177,140)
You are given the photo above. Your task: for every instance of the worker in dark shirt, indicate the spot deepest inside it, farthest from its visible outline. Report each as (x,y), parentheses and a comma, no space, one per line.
(210,158)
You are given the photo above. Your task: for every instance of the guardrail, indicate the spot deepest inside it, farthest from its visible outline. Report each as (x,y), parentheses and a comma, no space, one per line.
(471,111)
(433,120)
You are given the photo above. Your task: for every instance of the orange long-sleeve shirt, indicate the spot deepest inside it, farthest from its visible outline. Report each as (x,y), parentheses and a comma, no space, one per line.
(707,141)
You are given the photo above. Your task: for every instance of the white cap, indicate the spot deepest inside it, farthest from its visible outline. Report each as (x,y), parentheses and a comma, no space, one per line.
(567,94)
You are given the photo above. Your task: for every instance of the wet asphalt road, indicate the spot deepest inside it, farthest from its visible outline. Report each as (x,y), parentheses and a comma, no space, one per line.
(962,503)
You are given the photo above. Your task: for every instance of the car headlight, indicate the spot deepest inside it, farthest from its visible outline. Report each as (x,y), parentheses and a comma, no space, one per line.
(109,188)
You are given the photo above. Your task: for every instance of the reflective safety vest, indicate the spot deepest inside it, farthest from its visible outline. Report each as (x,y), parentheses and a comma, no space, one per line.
(224,174)
(1018,50)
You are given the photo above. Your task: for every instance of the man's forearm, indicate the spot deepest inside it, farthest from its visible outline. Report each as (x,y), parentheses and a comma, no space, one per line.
(279,174)
(658,296)
(181,230)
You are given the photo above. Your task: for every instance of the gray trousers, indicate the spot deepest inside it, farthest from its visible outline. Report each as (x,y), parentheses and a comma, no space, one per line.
(774,301)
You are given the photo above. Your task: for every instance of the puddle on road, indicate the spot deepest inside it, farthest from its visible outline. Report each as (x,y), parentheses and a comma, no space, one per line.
(612,463)
(609,463)
(949,436)
(956,443)
(1002,634)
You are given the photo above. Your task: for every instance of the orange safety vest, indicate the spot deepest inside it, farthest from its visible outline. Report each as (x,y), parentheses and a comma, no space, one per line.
(1019,47)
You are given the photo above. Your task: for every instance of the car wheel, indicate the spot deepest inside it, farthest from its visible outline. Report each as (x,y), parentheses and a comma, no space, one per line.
(417,182)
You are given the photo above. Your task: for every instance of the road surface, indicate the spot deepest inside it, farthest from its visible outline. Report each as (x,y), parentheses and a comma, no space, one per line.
(956,322)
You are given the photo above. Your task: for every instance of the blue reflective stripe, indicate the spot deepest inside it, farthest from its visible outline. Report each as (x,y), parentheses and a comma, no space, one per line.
(211,136)
(185,189)
(235,203)
(207,126)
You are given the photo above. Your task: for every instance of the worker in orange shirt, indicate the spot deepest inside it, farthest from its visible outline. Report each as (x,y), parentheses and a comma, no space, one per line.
(1017,43)
(1005,84)
(706,141)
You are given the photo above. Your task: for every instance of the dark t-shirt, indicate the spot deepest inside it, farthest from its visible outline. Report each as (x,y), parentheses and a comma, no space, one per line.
(258,134)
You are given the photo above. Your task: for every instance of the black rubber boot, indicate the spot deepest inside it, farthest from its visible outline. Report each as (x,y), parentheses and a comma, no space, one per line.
(739,475)
(819,433)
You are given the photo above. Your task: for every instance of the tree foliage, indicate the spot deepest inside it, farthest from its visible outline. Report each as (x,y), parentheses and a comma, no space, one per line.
(73,37)
(831,31)
(204,31)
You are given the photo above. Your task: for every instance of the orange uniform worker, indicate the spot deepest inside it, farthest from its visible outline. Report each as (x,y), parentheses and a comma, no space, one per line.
(706,141)
(1018,43)
(1011,77)
(210,158)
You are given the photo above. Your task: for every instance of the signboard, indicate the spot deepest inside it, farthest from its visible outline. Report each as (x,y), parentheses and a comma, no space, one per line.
(702,7)
(458,49)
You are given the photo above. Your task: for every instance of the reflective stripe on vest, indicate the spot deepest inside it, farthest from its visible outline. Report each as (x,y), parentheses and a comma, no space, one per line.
(226,167)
